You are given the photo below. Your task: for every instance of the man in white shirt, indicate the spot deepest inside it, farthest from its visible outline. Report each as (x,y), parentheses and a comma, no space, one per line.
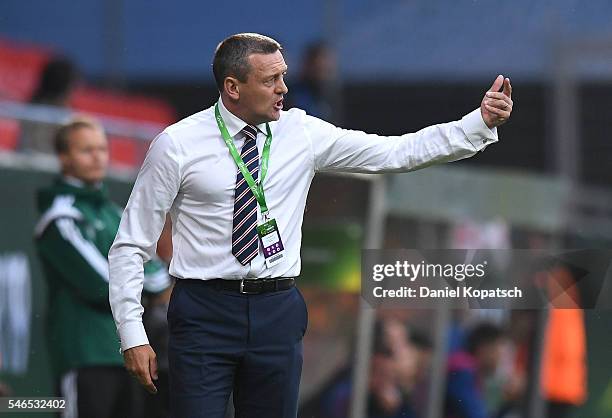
(234,179)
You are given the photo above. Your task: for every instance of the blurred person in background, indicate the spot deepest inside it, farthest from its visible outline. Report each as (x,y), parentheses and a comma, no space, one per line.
(467,369)
(423,348)
(313,91)
(76,229)
(564,371)
(564,359)
(392,378)
(403,353)
(57,81)
(393,372)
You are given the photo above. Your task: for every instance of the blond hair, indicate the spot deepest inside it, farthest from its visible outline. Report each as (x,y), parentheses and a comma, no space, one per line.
(62,136)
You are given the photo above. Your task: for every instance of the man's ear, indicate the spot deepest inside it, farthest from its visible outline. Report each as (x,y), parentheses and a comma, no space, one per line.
(231,87)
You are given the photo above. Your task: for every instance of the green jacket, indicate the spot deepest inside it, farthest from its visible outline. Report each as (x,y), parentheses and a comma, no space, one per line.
(75,232)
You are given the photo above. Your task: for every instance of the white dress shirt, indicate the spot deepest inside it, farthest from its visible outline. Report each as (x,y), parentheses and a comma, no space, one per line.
(189,173)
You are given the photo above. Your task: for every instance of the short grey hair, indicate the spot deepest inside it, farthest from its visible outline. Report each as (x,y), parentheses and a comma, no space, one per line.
(231,55)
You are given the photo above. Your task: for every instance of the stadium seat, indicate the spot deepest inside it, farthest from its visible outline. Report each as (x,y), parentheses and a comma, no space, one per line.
(20,67)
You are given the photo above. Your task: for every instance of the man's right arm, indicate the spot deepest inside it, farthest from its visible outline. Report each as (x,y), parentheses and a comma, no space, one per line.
(343,150)
(142,221)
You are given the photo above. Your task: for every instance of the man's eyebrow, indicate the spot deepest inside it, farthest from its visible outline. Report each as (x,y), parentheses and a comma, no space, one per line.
(276,73)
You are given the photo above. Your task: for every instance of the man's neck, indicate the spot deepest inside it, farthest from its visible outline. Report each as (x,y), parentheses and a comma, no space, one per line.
(235,109)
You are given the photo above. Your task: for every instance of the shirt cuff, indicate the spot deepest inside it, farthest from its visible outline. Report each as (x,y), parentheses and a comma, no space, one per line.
(476,131)
(132,335)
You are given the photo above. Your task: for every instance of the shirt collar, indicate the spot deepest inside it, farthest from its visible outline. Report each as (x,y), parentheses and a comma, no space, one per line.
(73,181)
(233,123)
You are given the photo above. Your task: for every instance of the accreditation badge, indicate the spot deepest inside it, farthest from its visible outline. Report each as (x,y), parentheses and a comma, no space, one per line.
(273,249)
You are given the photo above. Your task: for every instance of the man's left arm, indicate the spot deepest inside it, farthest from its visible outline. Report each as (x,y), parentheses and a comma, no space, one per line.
(337,149)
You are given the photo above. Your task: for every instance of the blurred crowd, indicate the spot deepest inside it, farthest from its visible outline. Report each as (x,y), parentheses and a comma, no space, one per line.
(487,368)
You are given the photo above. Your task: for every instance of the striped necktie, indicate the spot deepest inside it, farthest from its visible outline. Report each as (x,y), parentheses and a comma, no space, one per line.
(244,232)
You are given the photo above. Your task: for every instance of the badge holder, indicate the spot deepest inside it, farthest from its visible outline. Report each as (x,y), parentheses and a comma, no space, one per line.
(273,250)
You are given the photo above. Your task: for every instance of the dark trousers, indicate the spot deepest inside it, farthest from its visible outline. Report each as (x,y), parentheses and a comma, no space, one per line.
(101,392)
(222,341)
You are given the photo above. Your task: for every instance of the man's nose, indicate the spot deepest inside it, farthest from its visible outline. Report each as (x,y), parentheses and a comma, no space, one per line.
(282,87)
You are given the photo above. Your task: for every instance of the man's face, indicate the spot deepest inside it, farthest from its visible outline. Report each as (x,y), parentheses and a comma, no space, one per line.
(261,96)
(87,156)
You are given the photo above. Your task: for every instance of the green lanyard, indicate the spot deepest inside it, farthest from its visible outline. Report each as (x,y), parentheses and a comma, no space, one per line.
(256,187)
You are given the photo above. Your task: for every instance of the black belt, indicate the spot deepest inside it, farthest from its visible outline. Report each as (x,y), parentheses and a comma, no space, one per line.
(253,286)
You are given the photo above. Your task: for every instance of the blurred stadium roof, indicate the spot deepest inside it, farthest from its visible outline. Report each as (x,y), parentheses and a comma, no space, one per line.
(452,40)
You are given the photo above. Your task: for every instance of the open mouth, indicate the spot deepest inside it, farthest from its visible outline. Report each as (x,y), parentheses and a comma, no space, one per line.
(279,105)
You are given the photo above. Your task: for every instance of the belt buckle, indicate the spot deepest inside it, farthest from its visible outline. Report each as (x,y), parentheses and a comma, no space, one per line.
(242,291)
